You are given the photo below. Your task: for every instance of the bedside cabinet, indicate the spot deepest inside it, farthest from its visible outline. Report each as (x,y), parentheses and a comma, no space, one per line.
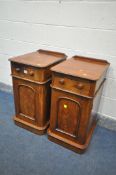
(76,90)
(31,76)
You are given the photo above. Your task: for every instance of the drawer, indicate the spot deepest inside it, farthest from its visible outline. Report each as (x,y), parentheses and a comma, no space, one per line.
(78,86)
(25,72)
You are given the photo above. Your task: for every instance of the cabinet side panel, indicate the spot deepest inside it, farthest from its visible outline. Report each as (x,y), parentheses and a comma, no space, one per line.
(43,103)
(95,105)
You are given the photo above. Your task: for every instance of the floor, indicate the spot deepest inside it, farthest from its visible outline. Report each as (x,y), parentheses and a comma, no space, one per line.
(24,153)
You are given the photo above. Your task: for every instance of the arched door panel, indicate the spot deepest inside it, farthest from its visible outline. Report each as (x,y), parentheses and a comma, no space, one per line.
(68,116)
(26,101)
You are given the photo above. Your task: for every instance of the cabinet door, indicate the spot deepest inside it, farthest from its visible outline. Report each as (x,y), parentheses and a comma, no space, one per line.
(70,115)
(25,100)
(66,115)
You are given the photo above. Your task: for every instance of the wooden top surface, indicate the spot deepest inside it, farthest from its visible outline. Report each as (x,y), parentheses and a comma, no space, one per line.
(83,67)
(40,58)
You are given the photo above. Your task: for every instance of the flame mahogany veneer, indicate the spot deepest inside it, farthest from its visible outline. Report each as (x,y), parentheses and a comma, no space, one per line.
(76,90)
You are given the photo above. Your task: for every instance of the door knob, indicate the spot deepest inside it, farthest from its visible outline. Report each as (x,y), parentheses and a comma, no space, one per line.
(61,81)
(31,73)
(80,86)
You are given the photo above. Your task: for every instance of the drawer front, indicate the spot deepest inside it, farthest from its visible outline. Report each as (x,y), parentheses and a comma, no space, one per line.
(26,72)
(76,86)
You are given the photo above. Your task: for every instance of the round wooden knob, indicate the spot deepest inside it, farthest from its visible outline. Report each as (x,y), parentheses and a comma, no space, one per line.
(18,69)
(31,73)
(61,81)
(80,86)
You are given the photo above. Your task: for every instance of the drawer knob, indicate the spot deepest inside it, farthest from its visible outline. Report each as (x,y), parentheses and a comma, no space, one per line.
(61,81)
(31,73)
(80,86)
(18,69)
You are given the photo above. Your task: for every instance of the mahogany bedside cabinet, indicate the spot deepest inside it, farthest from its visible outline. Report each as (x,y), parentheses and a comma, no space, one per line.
(76,90)
(31,76)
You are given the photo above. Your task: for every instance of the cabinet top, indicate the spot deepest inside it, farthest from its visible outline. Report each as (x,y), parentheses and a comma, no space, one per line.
(40,58)
(83,67)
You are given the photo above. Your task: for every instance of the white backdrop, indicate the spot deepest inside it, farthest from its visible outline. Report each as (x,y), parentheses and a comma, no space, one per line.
(75,27)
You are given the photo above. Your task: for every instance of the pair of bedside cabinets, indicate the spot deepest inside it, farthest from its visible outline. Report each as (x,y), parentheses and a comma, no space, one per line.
(48,89)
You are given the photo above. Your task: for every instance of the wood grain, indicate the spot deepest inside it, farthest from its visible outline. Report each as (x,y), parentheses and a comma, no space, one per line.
(31,76)
(74,112)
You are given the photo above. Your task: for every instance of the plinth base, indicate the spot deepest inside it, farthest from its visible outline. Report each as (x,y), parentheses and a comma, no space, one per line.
(74,146)
(30,127)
